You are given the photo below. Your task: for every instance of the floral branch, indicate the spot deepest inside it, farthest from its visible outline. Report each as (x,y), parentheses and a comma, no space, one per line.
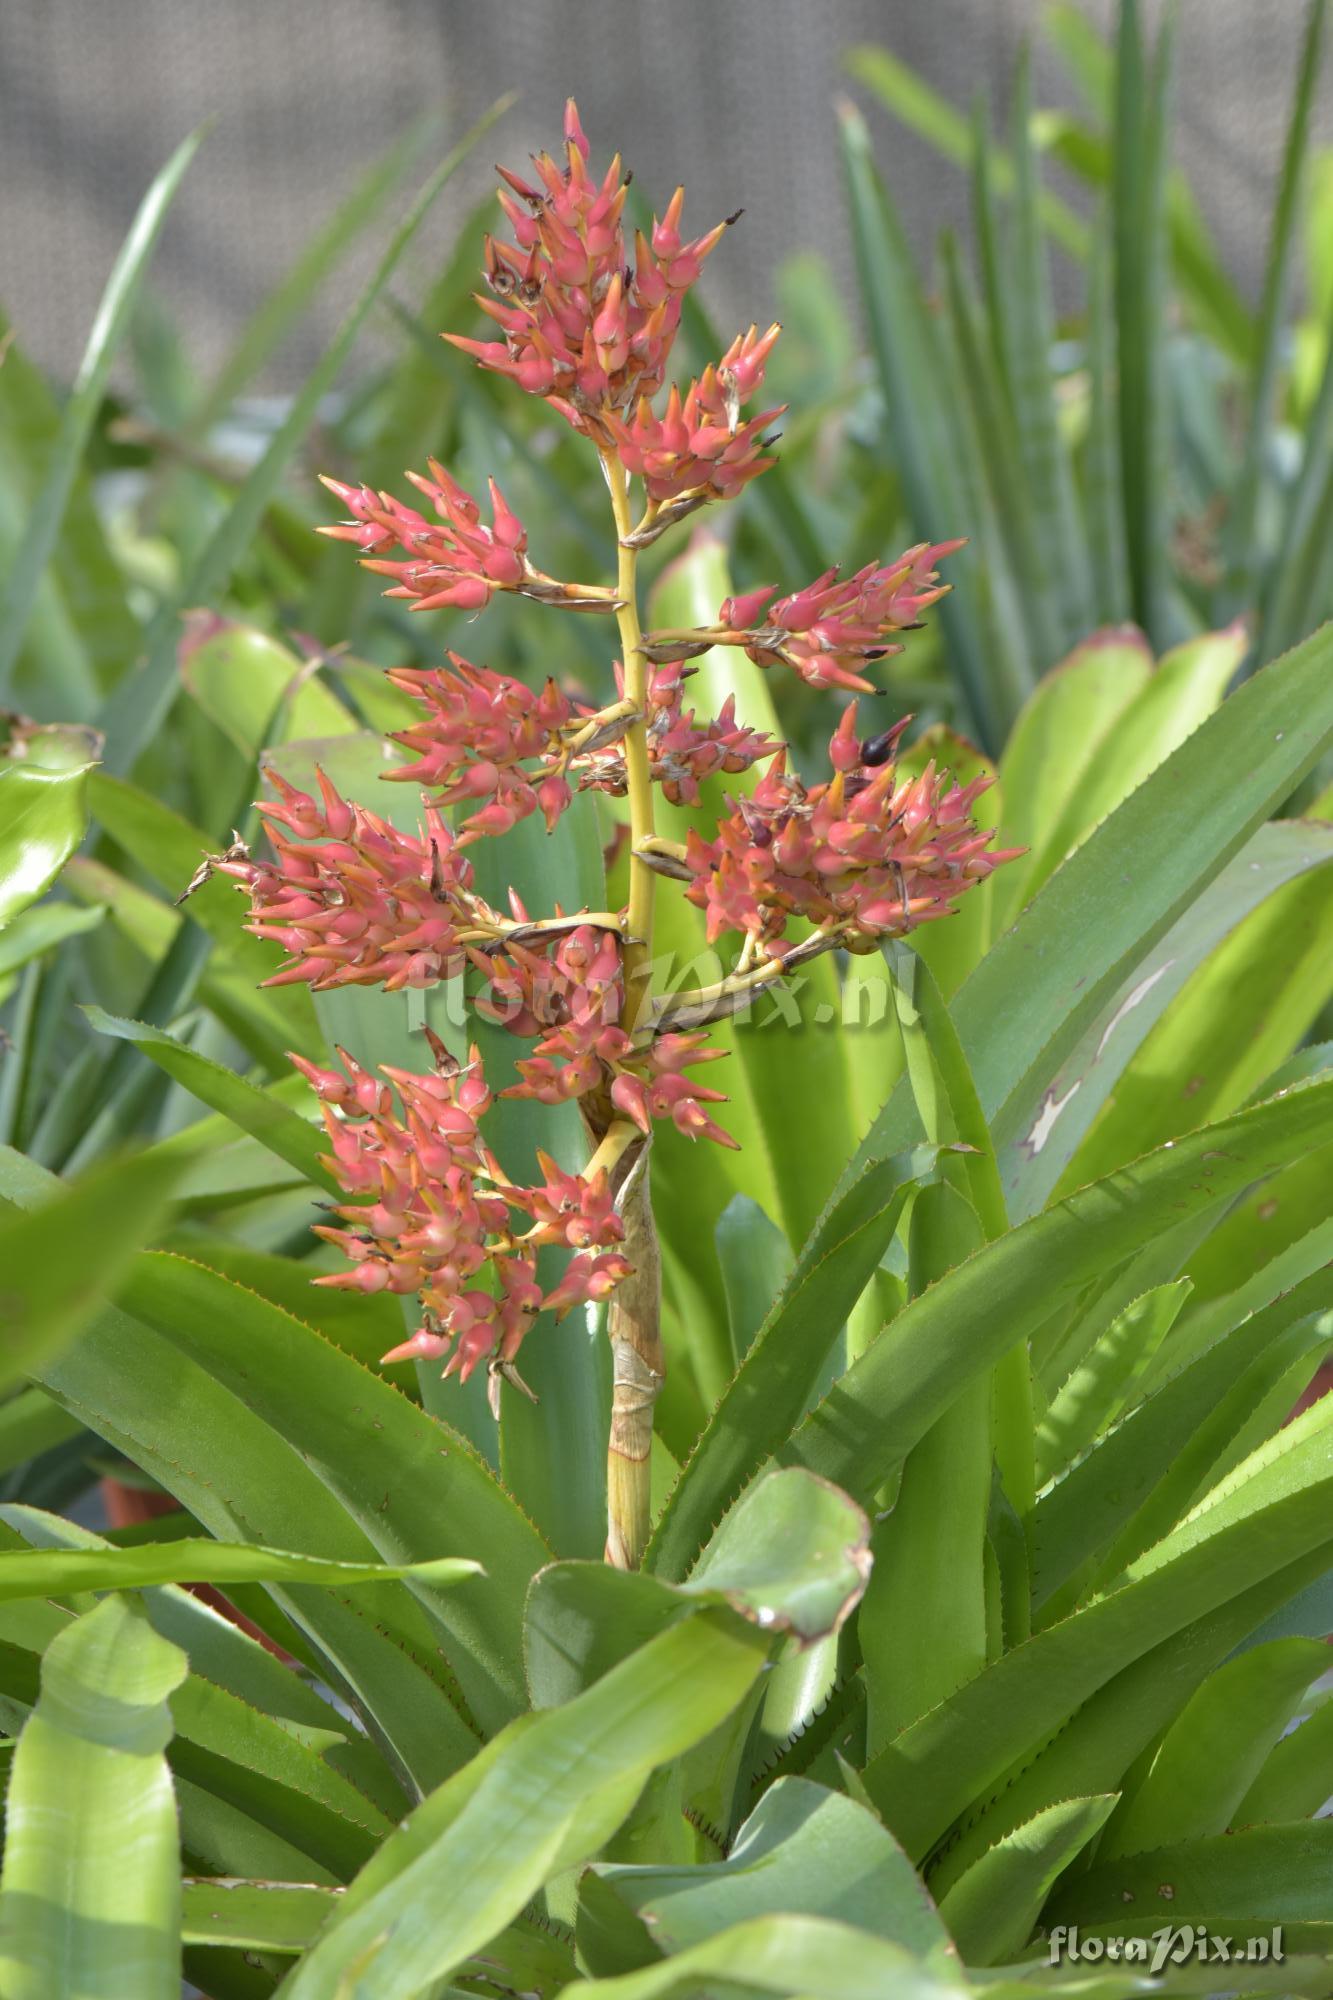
(587,322)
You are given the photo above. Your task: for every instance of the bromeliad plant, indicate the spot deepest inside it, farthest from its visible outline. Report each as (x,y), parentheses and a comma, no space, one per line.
(984,1602)
(792,870)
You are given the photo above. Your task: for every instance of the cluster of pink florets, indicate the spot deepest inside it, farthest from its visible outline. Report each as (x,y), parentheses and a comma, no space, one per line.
(488,742)
(862,857)
(683,748)
(834,628)
(571,998)
(588,323)
(592,331)
(429,1210)
(351,900)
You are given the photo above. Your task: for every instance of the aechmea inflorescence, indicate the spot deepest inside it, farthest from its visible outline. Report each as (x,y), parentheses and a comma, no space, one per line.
(586,318)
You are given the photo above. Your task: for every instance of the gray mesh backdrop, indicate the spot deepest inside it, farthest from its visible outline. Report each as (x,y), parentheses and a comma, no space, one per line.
(734,96)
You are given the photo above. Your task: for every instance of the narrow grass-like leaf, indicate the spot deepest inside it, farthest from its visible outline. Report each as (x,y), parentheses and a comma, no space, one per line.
(1290,598)
(919,419)
(80,412)
(294,1139)
(264,332)
(1243,504)
(995,430)
(1103,480)
(1057,525)
(910,98)
(1139,289)
(135,712)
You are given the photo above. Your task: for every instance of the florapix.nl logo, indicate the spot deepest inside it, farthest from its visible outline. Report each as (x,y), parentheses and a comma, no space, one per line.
(1170,1944)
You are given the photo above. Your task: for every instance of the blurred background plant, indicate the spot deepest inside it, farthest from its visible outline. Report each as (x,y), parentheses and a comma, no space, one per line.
(1150,452)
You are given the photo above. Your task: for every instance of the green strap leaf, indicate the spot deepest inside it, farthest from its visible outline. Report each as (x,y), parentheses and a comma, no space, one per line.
(1262,1876)
(278,1917)
(1184,689)
(379,1647)
(30,1423)
(1296,1780)
(1063,726)
(43,813)
(59,1572)
(783,1366)
(258,692)
(1215,1747)
(990,1911)
(33,933)
(60,1262)
(90,1886)
(1099,1748)
(1242,1012)
(1107,1378)
(543,1796)
(1081,938)
(922,1627)
(805,1851)
(1274,1512)
(413,1485)
(872,1417)
(791,1557)
(814,1958)
(1142,1476)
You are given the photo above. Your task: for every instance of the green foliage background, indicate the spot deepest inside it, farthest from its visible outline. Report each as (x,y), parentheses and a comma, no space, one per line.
(989,1582)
